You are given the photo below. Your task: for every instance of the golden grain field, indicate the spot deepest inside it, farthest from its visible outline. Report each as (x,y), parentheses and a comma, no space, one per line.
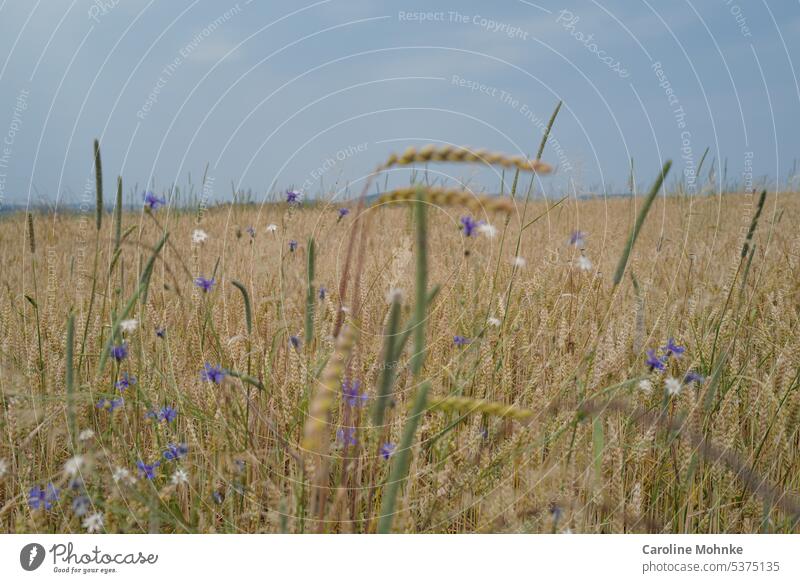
(537,409)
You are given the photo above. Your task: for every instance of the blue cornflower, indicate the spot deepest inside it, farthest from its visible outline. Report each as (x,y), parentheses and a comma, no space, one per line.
(39,497)
(470,225)
(693,377)
(293,196)
(161,332)
(346,436)
(204,284)
(125,382)
(119,351)
(294,341)
(322,292)
(577,238)
(672,348)
(460,340)
(176,451)
(292,245)
(147,470)
(212,374)
(350,392)
(387,449)
(168,414)
(153,202)
(654,362)
(343,212)
(80,505)
(251,231)
(110,404)
(218,497)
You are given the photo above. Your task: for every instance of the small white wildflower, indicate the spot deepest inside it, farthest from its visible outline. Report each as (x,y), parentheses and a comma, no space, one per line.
(673,386)
(180,477)
(646,386)
(86,435)
(199,236)
(519,261)
(129,325)
(394,294)
(74,465)
(584,263)
(489,230)
(121,475)
(93,522)
(492,321)
(272,227)
(3,467)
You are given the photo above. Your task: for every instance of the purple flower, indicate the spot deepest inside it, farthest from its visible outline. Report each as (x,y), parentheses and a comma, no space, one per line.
(693,377)
(152,201)
(294,341)
(293,196)
(672,348)
(577,238)
(387,449)
(147,470)
(161,332)
(110,404)
(292,245)
(39,497)
(204,284)
(120,351)
(167,414)
(251,231)
(460,341)
(125,382)
(346,436)
(80,505)
(218,497)
(212,374)
(351,394)
(176,451)
(654,362)
(322,292)
(470,225)
(343,212)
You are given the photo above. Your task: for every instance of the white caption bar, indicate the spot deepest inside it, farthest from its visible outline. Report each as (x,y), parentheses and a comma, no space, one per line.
(354,558)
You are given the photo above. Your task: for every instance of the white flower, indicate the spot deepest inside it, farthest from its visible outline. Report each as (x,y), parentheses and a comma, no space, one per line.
(646,386)
(74,465)
(394,294)
(93,522)
(673,386)
(3,467)
(122,475)
(128,325)
(492,321)
(519,262)
(180,477)
(488,230)
(272,227)
(86,435)
(199,236)
(584,263)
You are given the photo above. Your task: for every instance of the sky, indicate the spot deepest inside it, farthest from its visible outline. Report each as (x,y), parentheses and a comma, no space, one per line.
(312,95)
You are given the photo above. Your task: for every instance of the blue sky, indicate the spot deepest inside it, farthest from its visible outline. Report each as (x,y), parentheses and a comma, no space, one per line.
(315,94)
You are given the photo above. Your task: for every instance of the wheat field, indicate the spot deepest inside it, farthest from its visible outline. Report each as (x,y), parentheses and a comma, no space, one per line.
(200,370)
